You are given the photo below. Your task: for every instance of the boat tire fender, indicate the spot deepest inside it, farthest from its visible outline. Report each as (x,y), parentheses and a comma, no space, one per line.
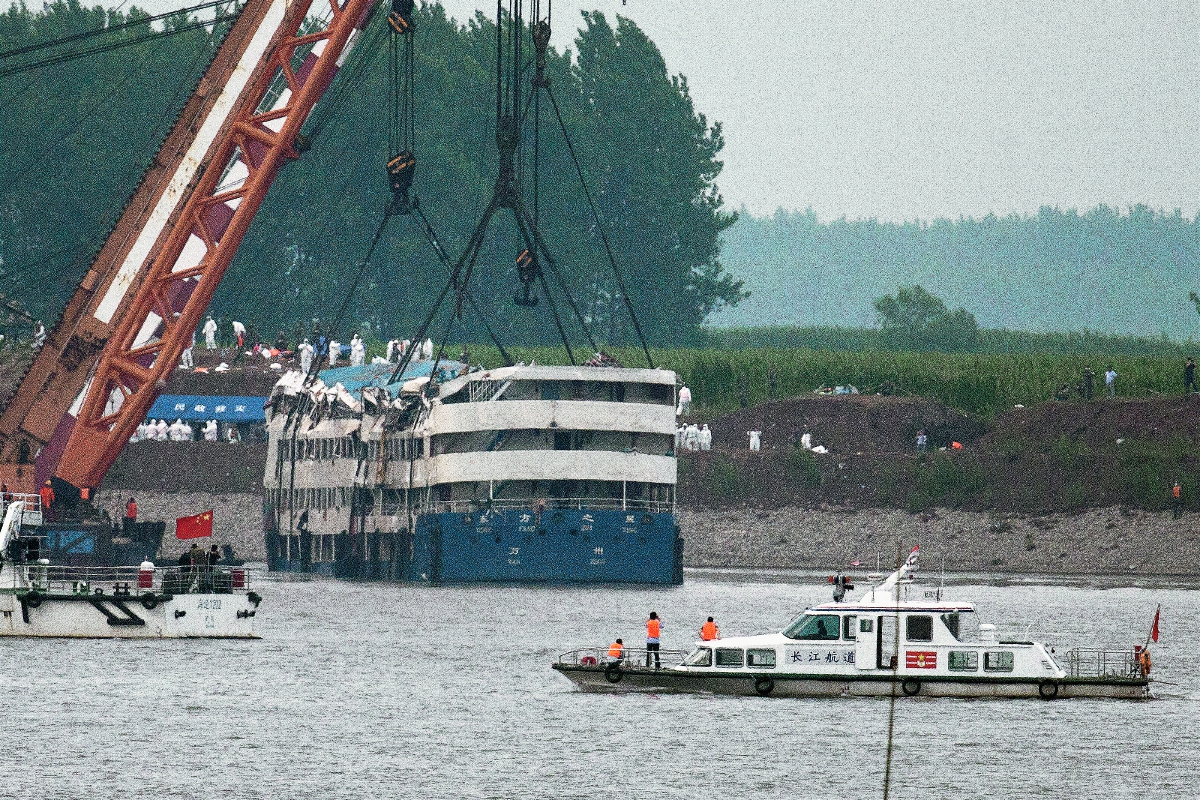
(764,685)
(911,687)
(33,600)
(612,673)
(149,601)
(1048,689)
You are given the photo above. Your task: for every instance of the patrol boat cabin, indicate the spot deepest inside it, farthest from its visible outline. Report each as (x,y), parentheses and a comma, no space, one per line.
(881,644)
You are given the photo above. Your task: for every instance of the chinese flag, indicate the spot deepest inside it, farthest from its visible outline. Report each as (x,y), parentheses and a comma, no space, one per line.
(195,527)
(1154,628)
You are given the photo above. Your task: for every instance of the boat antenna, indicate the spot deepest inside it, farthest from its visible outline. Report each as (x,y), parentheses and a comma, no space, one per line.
(942,582)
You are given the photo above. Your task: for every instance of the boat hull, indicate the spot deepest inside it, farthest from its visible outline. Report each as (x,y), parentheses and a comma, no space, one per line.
(628,678)
(183,616)
(512,546)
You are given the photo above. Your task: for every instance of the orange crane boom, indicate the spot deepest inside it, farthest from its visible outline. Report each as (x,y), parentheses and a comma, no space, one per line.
(125,327)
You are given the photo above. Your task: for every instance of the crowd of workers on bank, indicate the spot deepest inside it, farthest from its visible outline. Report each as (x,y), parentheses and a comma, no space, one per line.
(654,627)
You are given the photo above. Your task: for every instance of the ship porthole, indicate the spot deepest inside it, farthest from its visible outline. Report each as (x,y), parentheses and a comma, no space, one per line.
(1048,690)
(911,686)
(764,685)
(612,673)
(149,601)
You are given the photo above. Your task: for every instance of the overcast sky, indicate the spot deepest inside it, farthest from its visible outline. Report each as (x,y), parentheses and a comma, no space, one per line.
(910,109)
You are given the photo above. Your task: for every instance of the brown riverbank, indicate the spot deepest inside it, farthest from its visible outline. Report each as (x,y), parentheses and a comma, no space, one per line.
(1099,541)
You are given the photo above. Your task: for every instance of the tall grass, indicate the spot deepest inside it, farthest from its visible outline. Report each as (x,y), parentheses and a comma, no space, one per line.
(975,383)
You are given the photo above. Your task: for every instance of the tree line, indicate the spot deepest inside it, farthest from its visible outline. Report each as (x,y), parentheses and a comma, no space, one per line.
(1102,270)
(649,157)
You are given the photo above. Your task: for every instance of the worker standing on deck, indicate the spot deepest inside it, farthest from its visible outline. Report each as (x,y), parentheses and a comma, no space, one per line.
(653,631)
(47,495)
(335,350)
(616,652)
(358,351)
(210,334)
(709,631)
(306,356)
(130,516)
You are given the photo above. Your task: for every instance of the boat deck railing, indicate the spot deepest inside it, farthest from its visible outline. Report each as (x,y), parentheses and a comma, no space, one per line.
(1087,662)
(552,504)
(126,581)
(632,657)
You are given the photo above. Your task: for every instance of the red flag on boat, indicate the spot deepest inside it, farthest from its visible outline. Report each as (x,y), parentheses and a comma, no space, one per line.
(1154,628)
(196,527)
(913,555)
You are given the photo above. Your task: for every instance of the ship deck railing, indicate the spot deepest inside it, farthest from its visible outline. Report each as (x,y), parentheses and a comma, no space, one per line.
(1092,662)
(31,514)
(126,581)
(631,657)
(552,504)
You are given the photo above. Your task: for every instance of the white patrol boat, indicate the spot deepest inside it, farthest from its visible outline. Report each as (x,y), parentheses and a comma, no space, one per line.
(37,599)
(882,644)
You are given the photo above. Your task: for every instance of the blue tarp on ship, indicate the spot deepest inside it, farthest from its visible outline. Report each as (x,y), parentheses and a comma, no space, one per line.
(223,408)
(355,378)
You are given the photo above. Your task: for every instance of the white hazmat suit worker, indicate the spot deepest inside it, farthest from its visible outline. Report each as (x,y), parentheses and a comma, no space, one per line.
(210,334)
(427,349)
(335,350)
(358,351)
(210,431)
(705,438)
(306,356)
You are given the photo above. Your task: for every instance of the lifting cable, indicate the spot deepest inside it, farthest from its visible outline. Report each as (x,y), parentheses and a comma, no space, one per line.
(105,48)
(600,227)
(32,48)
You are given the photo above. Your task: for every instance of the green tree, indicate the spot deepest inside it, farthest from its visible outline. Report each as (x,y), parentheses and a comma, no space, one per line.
(914,319)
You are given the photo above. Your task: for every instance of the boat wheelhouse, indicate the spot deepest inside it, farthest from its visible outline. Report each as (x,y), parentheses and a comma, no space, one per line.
(882,644)
(522,473)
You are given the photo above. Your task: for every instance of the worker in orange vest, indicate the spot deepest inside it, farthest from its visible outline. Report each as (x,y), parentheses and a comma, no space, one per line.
(130,514)
(616,652)
(47,495)
(1176,501)
(709,631)
(653,630)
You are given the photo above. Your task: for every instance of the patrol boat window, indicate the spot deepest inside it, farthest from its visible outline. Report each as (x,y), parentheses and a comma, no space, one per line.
(918,628)
(729,657)
(962,625)
(700,657)
(760,658)
(815,626)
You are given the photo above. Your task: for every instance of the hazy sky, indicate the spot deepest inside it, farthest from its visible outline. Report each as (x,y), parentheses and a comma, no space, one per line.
(905,109)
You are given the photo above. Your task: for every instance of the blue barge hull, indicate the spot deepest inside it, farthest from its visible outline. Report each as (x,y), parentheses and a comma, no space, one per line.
(517,545)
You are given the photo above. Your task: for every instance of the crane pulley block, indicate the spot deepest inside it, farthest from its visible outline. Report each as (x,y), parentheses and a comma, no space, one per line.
(401,168)
(401,16)
(527,272)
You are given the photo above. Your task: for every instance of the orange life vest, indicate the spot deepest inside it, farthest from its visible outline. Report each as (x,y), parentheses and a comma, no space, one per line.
(1175,491)
(47,495)
(1144,662)
(131,510)
(652,629)
(615,650)
(709,631)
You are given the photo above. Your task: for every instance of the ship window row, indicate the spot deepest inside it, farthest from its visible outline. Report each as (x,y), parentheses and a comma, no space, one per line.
(320,449)
(557,494)
(758,658)
(968,661)
(593,391)
(527,439)
(319,499)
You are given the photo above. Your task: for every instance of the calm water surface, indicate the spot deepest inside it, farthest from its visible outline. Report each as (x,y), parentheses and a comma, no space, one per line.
(363,691)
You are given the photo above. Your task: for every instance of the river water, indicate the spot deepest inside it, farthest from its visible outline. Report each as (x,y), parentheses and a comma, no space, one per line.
(377,690)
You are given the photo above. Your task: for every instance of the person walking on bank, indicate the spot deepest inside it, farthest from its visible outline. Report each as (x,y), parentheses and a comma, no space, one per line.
(1089,383)
(653,630)
(1110,382)
(1189,377)
(709,631)
(1176,501)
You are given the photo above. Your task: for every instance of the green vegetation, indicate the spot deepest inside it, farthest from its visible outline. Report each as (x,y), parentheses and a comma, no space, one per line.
(974,383)
(916,320)
(650,159)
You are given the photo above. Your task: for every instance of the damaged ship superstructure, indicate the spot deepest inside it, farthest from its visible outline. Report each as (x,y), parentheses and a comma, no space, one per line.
(521,473)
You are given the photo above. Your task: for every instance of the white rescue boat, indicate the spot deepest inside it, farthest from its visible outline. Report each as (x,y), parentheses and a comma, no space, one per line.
(37,599)
(882,644)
